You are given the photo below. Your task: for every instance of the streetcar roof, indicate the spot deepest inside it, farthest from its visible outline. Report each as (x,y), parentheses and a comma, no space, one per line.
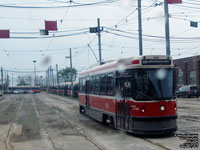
(131,62)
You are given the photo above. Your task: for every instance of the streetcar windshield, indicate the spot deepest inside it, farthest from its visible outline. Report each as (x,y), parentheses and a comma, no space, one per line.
(149,84)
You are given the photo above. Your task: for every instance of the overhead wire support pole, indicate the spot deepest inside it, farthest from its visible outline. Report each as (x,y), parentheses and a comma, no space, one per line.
(1,78)
(140,27)
(70,52)
(99,39)
(50,78)
(57,75)
(7,81)
(12,79)
(167,34)
(34,73)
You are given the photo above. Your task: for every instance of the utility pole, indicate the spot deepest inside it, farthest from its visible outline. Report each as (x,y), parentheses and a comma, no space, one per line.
(98,30)
(12,79)
(70,52)
(52,76)
(1,78)
(50,79)
(57,75)
(7,81)
(34,73)
(99,39)
(140,27)
(167,35)
(46,80)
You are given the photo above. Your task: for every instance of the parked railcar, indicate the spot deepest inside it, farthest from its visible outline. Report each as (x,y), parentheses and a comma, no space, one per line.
(66,89)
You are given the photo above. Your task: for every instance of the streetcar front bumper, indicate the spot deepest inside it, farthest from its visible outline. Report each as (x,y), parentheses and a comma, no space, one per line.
(154,125)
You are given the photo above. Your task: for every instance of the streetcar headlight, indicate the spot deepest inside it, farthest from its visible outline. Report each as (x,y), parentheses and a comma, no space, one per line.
(162,108)
(143,108)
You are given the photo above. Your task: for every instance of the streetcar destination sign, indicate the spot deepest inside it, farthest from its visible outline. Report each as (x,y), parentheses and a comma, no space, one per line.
(156,62)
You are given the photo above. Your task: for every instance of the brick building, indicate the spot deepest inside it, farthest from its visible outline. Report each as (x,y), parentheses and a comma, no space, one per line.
(188,71)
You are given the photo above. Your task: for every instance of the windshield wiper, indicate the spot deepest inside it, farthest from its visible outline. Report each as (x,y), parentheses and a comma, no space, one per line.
(140,92)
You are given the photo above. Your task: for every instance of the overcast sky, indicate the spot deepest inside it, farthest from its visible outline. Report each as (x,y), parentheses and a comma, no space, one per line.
(119,37)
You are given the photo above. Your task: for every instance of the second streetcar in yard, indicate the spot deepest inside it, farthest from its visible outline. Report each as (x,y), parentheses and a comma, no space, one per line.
(134,94)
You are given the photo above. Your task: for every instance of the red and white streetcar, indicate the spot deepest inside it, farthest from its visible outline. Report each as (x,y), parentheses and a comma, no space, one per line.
(133,94)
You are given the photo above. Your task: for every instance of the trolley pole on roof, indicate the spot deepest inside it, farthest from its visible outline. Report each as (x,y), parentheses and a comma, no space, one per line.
(167,34)
(140,27)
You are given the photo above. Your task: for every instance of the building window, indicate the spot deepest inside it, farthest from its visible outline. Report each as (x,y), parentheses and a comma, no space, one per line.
(192,79)
(180,77)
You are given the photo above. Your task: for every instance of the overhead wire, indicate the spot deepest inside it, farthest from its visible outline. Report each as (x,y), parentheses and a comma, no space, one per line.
(103,2)
(57,29)
(7,54)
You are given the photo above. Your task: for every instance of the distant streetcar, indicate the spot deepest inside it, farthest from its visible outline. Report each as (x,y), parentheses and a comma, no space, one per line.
(26,89)
(134,94)
(65,89)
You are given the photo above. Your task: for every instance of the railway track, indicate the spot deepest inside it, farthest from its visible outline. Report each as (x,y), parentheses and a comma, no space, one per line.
(8,144)
(95,143)
(58,124)
(68,123)
(43,127)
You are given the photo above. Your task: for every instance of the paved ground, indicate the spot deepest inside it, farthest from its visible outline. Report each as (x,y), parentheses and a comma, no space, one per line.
(49,122)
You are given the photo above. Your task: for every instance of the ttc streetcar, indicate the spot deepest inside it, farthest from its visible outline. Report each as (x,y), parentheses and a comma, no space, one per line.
(65,89)
(134,94)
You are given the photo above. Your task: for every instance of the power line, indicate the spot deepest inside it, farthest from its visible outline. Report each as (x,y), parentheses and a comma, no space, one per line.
(55,7)
(47,37)
(57,49)
(58,28)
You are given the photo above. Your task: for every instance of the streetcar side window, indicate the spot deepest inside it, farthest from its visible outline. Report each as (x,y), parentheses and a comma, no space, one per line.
(92,84)
(82,85)
(97,84)
(103,82)
(83,88)
(110,84)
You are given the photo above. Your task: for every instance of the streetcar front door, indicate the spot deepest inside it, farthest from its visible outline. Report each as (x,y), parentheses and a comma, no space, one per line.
(87,97)
(123,107)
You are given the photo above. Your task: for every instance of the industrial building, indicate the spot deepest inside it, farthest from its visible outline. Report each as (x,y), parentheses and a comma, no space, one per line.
(187,71)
